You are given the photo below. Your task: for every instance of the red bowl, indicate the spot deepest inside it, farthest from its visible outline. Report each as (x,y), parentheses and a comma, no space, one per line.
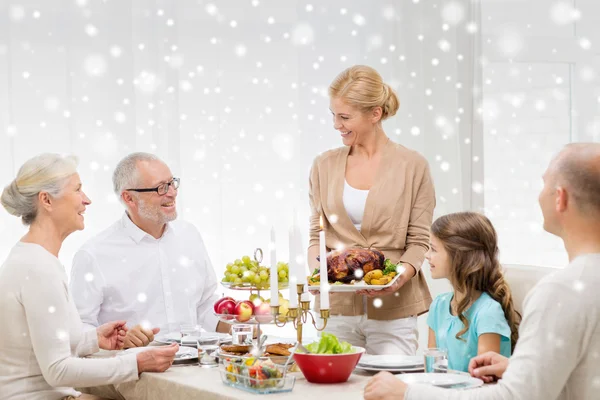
(328,368)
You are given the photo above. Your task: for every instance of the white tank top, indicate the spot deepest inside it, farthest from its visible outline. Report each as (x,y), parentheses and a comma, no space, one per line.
(354,203)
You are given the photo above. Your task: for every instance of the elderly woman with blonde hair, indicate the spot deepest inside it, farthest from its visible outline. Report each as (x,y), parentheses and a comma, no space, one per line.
(42,339)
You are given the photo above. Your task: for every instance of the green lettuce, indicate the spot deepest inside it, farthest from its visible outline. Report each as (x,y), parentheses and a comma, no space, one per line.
(329,344)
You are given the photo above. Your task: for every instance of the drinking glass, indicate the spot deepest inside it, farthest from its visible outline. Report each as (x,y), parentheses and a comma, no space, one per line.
(241,334)
(207,346)
(436,360)
(189,330)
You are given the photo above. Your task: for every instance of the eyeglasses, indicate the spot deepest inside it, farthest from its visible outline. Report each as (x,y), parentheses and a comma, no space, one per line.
(161,189)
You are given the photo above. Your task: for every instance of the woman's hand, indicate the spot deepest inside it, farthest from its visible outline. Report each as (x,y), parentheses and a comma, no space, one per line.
(111,336)
(385,386)
(404,276)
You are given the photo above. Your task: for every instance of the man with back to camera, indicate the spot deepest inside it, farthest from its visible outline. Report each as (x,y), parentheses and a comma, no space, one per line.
(558,353)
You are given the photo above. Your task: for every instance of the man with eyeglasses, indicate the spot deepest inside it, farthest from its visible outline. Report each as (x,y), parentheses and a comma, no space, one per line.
(148,268)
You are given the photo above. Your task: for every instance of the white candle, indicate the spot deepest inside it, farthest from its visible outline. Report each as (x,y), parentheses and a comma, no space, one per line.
(274,274)
(292,270)
(300,259)
(293,293)
(324,284)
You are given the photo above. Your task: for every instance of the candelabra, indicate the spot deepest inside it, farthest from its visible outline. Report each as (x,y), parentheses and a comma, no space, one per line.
(299,316)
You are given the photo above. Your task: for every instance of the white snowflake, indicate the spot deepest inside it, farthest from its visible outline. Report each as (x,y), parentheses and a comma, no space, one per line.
(62,335)
(303,34)
(91,30)
(359,19)
(16,13)
(563,13)
(453,13)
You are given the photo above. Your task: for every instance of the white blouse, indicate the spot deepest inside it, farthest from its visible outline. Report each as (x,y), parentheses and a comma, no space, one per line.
(42,335)
(354,203)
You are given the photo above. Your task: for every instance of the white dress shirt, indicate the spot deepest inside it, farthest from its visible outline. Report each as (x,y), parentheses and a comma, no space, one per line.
(42,336)
(126,274)
(558,351)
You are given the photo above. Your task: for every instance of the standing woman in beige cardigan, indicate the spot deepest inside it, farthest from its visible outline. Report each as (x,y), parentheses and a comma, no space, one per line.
(373,193)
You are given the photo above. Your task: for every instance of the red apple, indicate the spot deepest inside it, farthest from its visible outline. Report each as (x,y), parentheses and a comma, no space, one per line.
(216,306)
(243,311)
(262,313)
(226,307)
(251,304)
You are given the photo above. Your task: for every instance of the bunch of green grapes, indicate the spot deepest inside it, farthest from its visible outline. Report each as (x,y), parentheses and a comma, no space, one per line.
(246,270)
(283,271)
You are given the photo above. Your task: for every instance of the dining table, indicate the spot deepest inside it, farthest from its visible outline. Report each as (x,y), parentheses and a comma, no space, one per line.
(191,381)
(187,382)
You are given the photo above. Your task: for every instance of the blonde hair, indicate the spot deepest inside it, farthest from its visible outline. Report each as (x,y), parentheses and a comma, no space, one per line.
(44,173)
(362,87)
(472,245)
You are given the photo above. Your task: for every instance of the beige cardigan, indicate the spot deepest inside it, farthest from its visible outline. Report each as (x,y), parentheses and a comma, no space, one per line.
(396,221)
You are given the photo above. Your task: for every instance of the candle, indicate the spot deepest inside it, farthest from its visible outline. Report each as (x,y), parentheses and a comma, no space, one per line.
(292,270)
(300,259)
(293,293)
(324,283)
(274,273)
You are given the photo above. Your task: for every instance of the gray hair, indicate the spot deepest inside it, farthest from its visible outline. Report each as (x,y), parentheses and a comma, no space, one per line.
(47,172)
(126,173)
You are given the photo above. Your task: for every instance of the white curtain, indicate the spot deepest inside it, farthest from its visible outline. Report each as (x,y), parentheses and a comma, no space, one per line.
(232,94)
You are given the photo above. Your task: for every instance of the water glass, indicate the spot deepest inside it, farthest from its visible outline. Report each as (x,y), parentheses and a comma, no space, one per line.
(207,346)
(436,360)
(241,334)
(189,330)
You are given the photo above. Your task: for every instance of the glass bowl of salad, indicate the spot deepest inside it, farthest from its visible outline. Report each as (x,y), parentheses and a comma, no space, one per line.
(254,375)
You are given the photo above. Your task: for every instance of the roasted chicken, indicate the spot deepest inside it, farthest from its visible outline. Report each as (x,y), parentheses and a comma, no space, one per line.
(352,264)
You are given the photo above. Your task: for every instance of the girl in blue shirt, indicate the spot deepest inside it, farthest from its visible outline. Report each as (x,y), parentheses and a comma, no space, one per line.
(479,315)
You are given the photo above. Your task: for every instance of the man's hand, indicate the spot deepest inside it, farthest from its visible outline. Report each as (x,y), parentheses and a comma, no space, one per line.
(140,337)
(385,386)
(156,359)
(488,366)
(406,275)
(111,336)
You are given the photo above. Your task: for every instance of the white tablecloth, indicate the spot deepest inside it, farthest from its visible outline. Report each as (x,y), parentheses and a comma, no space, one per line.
(191,382)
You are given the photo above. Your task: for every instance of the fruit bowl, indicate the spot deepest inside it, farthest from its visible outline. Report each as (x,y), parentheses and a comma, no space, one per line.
(328,368)
(231,319)
(252,286)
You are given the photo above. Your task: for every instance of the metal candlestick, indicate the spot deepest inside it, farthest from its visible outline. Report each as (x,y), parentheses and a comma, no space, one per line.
(299,315)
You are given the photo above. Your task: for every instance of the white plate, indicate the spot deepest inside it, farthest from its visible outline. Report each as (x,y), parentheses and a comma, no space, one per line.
(391,363)
(183,354)
(175,337)
(448,381)
(347,287)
